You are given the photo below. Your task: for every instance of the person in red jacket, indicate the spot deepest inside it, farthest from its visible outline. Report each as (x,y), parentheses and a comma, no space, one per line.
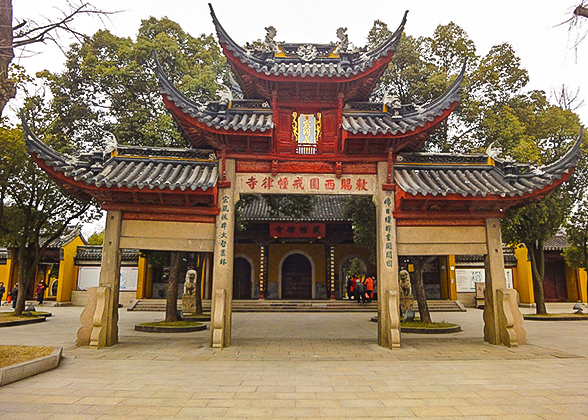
(351,288)
(369,288)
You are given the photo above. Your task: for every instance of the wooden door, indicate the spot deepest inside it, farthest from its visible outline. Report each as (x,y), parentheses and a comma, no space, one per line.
(554,282)
(241,279)
(296,277)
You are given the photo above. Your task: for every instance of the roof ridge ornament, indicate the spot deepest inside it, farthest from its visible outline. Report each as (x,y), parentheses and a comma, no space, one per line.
(307,52)
(110,145)
(269,42)
(343,44)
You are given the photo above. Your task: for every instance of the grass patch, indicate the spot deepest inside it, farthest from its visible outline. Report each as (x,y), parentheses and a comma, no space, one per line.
(11,316)
(177,324)
(430,325)
(11,355)
(563,315)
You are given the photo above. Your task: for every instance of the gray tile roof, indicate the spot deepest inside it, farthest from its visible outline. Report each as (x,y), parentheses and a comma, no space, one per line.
(71,232)
(369,118)
(510,260)
(94,253)
(293,66)
(133,166)
(441,176)
(247,115)
(328,208)
(557,243)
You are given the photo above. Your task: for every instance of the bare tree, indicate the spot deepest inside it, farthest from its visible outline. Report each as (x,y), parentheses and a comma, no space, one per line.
(579,13)
(567,98)
(28,32)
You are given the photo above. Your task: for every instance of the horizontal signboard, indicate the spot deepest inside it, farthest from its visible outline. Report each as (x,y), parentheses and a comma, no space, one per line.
(305,184)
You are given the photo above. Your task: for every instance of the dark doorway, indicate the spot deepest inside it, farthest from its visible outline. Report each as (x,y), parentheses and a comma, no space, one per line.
(554,282)
(241,279)
(296,277)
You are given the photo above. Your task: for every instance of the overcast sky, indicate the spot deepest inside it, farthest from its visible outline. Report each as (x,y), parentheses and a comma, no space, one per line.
(546,50)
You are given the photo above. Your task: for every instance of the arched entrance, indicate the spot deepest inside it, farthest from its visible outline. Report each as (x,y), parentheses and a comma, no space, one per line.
(296,277)
(242,280)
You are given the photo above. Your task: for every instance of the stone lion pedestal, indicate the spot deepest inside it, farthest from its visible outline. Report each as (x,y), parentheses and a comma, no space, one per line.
(406,304)
(188,304)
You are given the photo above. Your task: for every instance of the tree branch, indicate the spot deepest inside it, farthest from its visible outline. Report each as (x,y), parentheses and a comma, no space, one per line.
(581,11)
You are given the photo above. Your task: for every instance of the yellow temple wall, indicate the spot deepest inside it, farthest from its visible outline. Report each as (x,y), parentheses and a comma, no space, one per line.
(68,273)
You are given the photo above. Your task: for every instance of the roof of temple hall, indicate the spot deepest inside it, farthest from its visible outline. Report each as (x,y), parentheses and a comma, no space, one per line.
(308,60)
(130,166)
(375,118)
(255,115)
(431,175)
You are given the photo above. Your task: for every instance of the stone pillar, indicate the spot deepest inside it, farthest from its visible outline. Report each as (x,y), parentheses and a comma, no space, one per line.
(262,270)
(387,260)
(110,275)
(502,318)
(222,267)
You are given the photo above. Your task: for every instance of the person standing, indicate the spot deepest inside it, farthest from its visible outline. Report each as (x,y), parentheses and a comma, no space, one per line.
(41,287)
(350,286)
(369,288)
(360,291)
(14,296)
(2,290)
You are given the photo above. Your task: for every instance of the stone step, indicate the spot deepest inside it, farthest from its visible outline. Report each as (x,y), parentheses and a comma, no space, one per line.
(296,306)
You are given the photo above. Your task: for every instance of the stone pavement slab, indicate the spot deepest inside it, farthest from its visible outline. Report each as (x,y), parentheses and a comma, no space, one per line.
(304,366)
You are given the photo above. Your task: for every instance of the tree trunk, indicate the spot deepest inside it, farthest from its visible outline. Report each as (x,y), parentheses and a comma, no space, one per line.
(419,287)
(22,280)
(581,11)
(199,267)
(171,306)
(537,256)
(7,88)
(25,273)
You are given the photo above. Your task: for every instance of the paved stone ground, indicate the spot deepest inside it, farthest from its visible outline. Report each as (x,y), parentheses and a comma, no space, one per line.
(304,366)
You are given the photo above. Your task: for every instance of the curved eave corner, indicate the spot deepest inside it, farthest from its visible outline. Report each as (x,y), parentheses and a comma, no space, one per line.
(392,42)
(185,109)
(40,150)
(169,91)
(410,124)
(555,173)
(223,36)
(567,162)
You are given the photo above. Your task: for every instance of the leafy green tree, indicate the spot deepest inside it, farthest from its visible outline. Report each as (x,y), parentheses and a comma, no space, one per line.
(532,226)
(109,84)
(362,213)
(525,126)
(97,238)
(356,268)
(34,210)
(577,234)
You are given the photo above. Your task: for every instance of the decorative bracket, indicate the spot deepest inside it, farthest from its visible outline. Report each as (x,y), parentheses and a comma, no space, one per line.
(338,169)
(274,167)
(223,183)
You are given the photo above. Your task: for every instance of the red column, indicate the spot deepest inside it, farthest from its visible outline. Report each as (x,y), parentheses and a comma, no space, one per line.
(332,271)
(262,271)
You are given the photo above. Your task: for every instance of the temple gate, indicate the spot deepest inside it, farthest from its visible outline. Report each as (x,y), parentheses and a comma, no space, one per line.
(298,120)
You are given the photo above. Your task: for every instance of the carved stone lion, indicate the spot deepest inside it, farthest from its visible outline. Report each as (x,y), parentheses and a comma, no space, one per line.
(405,287)
(190,283)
